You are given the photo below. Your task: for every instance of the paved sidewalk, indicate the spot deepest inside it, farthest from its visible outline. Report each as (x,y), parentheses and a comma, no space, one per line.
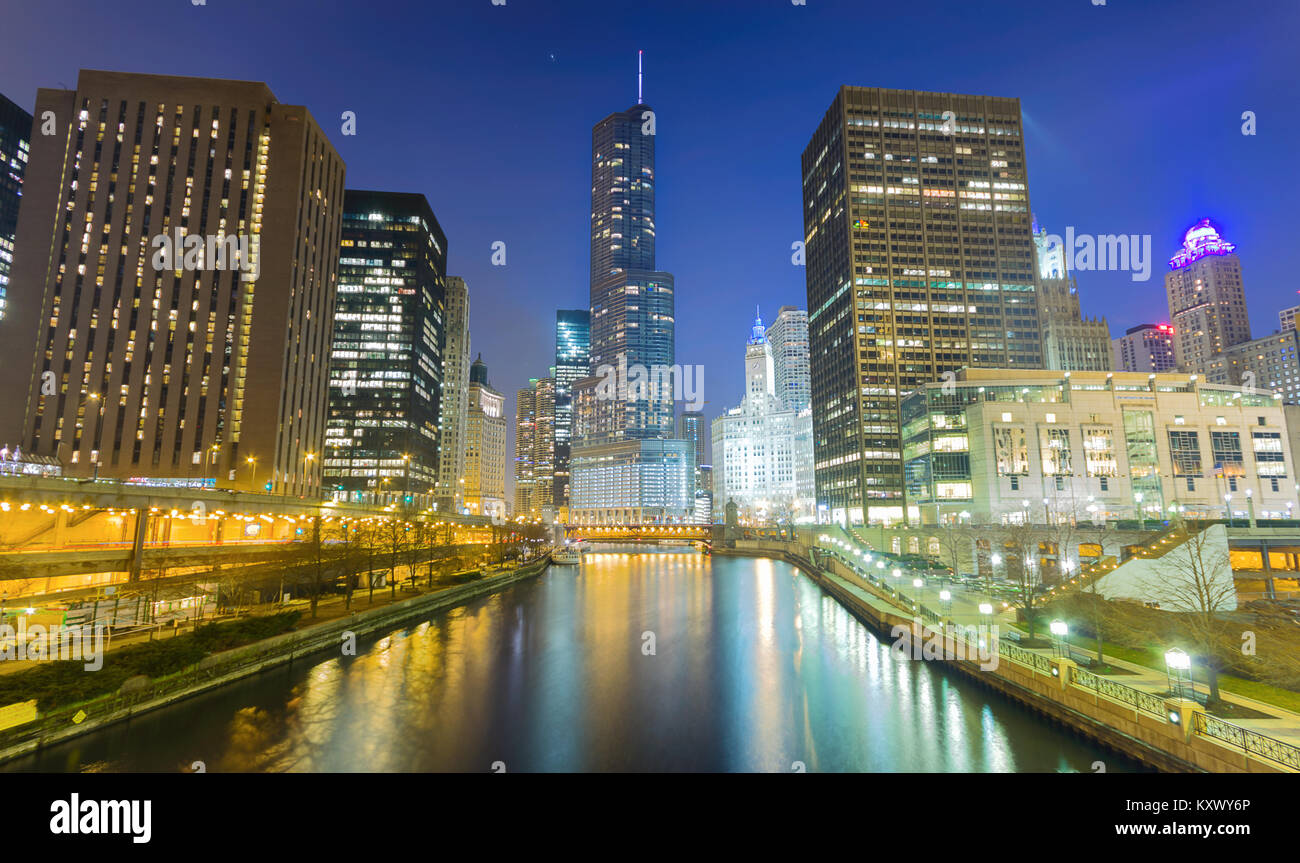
(329,608)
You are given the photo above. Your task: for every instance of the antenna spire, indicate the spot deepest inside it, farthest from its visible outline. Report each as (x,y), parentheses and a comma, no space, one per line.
(638,77)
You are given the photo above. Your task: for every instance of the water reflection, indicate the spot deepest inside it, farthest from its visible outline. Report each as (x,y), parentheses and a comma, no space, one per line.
(753,668)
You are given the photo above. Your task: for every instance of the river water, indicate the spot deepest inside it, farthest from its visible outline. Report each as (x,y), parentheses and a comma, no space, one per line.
(663,660)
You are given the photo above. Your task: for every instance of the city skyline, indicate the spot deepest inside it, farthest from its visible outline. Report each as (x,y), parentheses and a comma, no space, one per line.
(1160,185)
(807,386)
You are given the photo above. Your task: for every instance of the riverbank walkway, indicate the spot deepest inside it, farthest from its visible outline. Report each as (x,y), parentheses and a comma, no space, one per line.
(963,609)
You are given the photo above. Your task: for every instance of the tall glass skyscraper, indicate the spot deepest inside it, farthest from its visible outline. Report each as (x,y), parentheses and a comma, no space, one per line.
(920,261)
(623,465)
(632,304)
(386,365)
(15,144)
(572,363)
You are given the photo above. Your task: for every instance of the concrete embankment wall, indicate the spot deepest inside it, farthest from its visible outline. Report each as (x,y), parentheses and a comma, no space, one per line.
(1118,726)
(229,666)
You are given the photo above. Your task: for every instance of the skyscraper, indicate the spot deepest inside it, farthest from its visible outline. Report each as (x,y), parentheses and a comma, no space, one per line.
(1145,348)
(525,449)
(1207,303)
(634,470)
(150,220)
(788,336)
(631,303)
(386,364)
(485,446)
(544,446)
(455,398)
(692,428)
(572,363)
(1071,342)
(763,450)
(920,261)
(15,146)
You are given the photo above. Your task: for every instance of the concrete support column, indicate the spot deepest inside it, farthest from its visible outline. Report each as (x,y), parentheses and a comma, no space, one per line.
(137,544)
(1185,709)
(1061,668)
(60,528)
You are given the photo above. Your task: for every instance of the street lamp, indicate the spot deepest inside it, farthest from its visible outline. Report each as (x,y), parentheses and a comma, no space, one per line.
(1250,505)
(252,472)
(1025,504)
(1142,516)
(1177,662)
(1227,508)
(1061,630)
(99,421)
(986,614)
(945,597)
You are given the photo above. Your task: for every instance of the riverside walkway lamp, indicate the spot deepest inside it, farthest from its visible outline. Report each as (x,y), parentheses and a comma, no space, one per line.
(1177,663)
(1061,630)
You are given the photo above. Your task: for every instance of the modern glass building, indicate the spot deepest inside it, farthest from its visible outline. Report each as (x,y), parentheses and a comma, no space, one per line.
(525,449)
(920,261)
(15,146)
(535,448)
(633,482)
(572,363)
(632,338)
(632,304)
(386,365)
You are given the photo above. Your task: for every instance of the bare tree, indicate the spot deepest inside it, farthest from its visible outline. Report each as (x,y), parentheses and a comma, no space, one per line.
(352,539)
(1019,543)
(953,539)
(1194,580)
(394,539)
(1095,608)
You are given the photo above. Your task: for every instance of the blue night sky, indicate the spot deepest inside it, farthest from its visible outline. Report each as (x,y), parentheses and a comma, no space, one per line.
(1132,114)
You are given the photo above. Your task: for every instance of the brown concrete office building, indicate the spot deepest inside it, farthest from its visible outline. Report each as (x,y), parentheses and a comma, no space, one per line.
(920,261)
(173,289)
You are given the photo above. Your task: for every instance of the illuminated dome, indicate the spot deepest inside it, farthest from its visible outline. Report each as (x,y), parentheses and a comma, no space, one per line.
(1200,240)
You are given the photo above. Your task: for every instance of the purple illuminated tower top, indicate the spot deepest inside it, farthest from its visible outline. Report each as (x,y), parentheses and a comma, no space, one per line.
(1200,240)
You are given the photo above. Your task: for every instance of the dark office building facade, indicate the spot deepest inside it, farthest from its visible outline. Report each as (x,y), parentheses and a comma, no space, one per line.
(572,363)
(919,260)
(133,354)
(15,146)
(386,365)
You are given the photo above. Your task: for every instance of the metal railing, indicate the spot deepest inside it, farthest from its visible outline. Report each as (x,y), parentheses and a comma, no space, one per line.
(1248,741)
(1135,698)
